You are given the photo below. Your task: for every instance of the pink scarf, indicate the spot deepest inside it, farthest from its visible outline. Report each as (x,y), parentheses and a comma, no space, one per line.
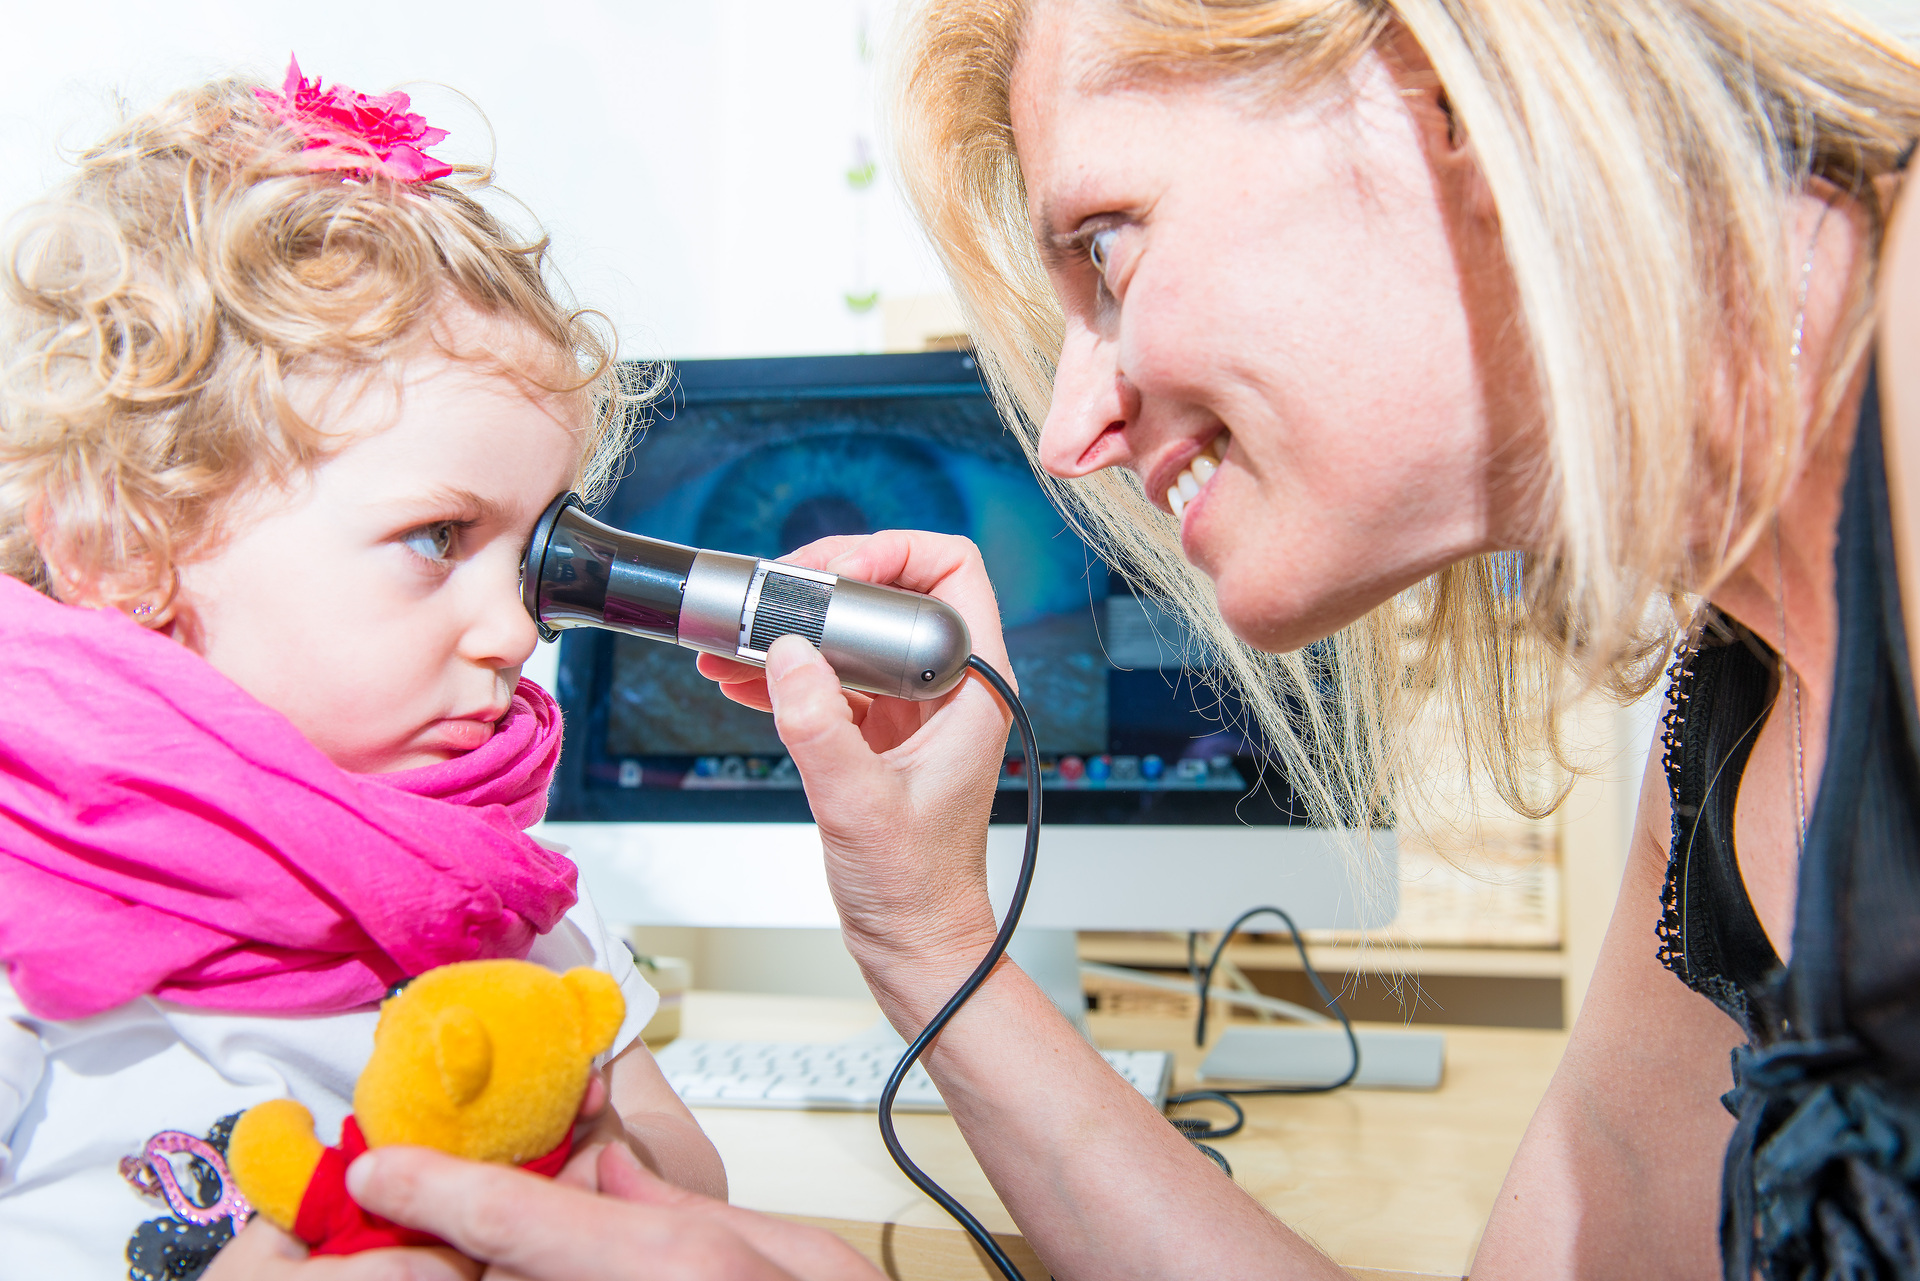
(162,832)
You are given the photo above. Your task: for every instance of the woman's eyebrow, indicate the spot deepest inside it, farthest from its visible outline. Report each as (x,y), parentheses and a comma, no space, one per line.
(1056,245)
(1059,248)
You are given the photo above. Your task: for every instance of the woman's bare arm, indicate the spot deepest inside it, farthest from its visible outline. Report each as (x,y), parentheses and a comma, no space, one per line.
(1619,1172)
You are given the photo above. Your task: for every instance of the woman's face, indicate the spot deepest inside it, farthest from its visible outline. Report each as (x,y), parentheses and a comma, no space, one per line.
(1304,322)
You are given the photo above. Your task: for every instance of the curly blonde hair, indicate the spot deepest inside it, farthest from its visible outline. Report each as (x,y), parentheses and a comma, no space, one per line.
(158,301)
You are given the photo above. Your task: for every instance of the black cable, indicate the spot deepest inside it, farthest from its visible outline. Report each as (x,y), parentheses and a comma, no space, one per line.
(940,1195)
(1213,1155)
(1196,1129)
(1313,976)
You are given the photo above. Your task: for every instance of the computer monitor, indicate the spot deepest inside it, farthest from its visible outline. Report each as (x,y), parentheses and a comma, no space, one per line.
(682,808)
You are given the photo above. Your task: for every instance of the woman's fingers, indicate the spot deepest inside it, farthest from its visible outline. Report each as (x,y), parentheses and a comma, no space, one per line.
(545,1231)
(943,566)
(939,565)
(901,791)
(742,682)
(808,1253)
(728,671)
(262,1252)
(815,722)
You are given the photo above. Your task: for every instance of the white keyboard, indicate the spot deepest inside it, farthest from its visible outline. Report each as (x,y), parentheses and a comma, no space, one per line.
(845,1077)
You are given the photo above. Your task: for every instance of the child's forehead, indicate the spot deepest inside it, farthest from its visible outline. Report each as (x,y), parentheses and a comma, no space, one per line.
(449,422)
(470,359)
(495,348)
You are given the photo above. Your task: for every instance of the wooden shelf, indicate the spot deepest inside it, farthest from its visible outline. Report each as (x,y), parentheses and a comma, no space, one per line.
(1147,952)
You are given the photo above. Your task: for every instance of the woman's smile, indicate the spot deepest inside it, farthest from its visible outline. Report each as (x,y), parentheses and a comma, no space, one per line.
(1183,487)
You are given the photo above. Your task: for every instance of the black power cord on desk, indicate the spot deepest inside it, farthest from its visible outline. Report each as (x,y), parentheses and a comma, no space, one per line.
(1197,1130)
(921,1179)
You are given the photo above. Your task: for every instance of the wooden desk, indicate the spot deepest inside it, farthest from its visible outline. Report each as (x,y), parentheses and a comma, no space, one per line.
(1394,1186)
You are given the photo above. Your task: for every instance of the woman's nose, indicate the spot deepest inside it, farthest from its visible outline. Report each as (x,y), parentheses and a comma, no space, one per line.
(1093,404)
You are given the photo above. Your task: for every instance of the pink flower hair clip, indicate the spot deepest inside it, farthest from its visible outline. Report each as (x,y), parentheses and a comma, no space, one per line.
(354,133)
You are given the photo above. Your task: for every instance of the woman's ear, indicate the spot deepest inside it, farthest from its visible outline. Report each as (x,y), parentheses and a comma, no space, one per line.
(1456,132)
(1461,166)
(1448,144)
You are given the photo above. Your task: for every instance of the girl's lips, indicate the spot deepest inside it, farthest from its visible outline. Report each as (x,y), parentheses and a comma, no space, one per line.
(462,735)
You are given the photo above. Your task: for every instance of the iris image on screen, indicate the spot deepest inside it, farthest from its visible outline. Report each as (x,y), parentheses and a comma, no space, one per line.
(1100,671)
(763,479)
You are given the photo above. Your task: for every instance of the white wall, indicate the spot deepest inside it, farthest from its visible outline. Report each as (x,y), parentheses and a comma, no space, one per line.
(689,158)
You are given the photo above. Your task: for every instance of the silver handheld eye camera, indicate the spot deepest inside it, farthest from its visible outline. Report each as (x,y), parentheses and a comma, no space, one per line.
(880,640)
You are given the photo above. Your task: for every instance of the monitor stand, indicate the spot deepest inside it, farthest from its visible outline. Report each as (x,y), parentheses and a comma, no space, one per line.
(1051,958)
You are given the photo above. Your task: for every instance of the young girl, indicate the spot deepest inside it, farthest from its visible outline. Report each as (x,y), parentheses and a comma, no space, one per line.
(281,403)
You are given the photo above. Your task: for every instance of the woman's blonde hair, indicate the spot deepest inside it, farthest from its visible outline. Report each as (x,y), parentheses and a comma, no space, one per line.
(1642,155)
(158,301)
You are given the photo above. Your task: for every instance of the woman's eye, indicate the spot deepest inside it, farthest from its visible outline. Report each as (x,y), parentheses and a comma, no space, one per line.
(432,542)
(1100,249)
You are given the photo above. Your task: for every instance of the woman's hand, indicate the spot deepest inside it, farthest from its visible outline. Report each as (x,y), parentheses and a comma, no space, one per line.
(544,1230)
(262,1252)
(902,793)
(901,790)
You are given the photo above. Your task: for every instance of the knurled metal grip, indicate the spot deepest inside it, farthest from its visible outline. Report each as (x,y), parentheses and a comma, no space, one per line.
(784,600)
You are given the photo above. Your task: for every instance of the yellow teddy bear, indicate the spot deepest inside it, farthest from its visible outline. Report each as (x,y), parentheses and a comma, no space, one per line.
(488,1060)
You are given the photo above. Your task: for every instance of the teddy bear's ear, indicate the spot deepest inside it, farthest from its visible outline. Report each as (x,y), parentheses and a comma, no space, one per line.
(463,1052)
(601,1006)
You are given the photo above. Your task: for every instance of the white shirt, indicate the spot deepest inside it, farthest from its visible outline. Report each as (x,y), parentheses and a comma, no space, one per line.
(78,1095)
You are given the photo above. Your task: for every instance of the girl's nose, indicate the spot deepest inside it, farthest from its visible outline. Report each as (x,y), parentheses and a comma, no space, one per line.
(500,633)
(1093,405)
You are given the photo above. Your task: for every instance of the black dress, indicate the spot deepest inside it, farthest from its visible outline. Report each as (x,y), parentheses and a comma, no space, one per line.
(1822,1176)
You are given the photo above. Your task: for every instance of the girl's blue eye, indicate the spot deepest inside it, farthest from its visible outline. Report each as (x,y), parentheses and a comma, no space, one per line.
(434,542)
(1100,249)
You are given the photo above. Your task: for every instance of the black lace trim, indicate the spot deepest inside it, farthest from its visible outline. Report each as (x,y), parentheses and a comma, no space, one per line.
(1671,929)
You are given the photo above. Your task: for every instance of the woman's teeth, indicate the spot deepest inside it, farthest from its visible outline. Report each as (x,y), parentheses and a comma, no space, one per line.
(1188,484)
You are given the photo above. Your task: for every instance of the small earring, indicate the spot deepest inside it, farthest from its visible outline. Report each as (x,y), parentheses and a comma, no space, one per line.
(143,609)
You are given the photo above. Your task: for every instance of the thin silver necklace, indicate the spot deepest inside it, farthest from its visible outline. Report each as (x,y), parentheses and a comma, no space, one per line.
(1793,704)
(1780,565)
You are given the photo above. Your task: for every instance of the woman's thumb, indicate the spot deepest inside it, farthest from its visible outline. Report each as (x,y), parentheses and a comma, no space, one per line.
(810,711)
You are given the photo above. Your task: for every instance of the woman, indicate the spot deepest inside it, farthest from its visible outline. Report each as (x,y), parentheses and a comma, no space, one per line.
(1503,344)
